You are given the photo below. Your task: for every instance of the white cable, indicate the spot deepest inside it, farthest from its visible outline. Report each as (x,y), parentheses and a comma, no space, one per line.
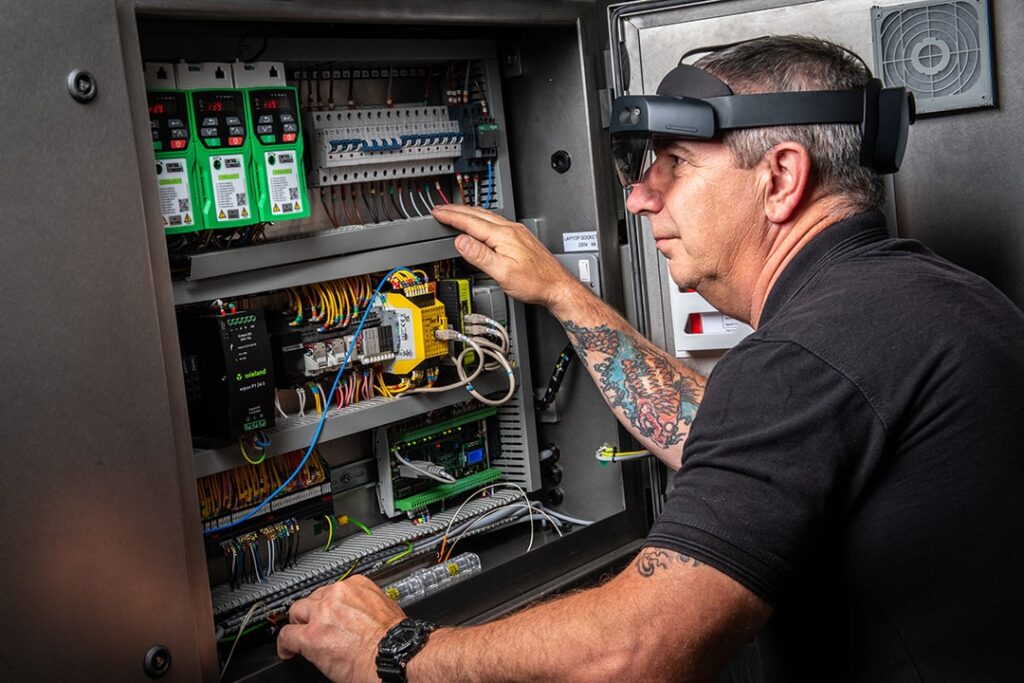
(241,630)
(401,204)
(543,513)
(476,190)
(427,200)
(449,335)
(567,518)
(302,401)
(526,503)
(446,479)
(277,405)
(508,371)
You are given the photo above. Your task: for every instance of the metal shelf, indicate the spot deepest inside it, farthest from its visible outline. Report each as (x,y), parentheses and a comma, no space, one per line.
(295,433)
(334,242)
(304,272)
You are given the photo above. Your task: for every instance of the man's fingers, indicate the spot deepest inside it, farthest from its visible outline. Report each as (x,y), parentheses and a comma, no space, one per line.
(473,221)
(300,612)
(476,254)
(290,641)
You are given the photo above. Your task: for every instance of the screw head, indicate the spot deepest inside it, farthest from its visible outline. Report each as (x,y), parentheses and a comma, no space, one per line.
(561,161)
(82,85)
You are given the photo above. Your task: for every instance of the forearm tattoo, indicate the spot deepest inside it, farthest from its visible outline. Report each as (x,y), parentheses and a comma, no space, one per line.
(655,398)
(651,560)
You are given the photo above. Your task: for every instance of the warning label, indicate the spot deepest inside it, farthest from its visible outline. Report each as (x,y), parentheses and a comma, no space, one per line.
(282,182)
(175,197)
(231,200)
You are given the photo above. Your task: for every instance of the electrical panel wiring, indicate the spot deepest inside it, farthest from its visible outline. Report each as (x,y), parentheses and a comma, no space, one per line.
(362,553)
(423,461)
(227,497)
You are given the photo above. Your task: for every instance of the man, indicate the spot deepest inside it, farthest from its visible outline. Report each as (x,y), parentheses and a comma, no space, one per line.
(853,476)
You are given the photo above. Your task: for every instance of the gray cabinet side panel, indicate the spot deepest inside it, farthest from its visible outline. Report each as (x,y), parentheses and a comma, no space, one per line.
(91,478)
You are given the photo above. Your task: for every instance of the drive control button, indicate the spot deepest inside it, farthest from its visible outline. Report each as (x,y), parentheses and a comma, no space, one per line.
(182,134)
(290,128)
(233,121)
(287,118)
(264,130)
(209,132)
(266,118)
(236,130)
(209,121)
(175,123)
(288,137)
(178,144)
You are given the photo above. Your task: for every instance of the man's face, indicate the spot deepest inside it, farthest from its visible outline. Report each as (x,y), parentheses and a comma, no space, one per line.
(703,210)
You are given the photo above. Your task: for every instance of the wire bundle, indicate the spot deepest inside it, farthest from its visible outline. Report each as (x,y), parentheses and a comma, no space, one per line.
(333,304)
(237,489)
(255,556)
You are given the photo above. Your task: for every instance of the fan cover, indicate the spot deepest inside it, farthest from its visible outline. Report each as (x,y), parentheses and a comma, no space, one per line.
(938,50)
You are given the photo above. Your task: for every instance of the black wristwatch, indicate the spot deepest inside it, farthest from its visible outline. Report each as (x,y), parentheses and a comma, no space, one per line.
(398,646)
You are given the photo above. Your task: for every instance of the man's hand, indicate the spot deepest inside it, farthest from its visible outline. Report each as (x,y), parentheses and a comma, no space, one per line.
(509,253)
(337,628)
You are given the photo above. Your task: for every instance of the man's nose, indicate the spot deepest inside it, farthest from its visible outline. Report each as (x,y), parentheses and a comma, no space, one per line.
(643,198)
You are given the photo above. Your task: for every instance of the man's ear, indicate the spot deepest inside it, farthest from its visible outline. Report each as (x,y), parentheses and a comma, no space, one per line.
(789,174)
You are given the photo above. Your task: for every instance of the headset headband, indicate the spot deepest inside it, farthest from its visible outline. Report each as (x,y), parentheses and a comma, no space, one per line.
(884,115)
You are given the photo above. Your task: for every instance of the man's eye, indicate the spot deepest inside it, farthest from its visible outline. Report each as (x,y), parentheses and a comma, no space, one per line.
(677,160)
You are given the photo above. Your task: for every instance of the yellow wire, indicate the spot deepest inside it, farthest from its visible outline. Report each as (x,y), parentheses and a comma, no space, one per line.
(245,455)
(345,575)
(400,555)
(330,534)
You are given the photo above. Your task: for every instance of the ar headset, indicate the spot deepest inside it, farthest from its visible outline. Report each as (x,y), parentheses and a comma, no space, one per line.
(693,104)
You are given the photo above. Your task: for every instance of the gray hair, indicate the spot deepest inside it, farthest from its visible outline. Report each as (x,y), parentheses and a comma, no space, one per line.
(795,63)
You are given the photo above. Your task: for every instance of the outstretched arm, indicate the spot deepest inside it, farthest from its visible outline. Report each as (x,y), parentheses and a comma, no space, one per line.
(665,617)
(652,393)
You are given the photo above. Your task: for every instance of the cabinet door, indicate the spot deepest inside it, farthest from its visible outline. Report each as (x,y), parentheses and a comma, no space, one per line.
(100,520)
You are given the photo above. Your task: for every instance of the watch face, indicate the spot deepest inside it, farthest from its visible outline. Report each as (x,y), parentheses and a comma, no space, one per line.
(400,640)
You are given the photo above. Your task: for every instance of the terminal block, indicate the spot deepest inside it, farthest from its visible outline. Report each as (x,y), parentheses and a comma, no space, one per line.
(373,144)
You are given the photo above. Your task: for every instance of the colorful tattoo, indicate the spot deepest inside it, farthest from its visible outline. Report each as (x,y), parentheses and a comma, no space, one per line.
(651,560)
(654,396)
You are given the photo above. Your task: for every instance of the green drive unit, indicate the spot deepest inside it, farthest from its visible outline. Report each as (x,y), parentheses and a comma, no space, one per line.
(223,158)
(174,148)
(276,145)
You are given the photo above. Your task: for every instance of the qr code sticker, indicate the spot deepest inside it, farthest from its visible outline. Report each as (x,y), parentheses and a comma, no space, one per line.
(240,199)
(184,205)
(293,193)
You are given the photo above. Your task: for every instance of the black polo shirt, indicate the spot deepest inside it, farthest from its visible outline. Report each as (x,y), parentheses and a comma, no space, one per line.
(858,463)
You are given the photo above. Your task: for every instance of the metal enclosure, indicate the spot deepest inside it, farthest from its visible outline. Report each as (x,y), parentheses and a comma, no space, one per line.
(98,471)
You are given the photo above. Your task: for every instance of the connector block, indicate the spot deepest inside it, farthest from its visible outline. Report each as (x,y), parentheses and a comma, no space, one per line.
(444,491)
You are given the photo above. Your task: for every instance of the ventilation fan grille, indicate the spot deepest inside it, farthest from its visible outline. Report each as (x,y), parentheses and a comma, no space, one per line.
(938,50)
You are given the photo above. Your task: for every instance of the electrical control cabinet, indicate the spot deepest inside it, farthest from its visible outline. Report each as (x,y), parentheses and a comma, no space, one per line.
(201,476)
(356,399)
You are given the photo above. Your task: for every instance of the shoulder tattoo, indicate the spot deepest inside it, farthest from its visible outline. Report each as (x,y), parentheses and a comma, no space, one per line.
(650,560)
(653,395)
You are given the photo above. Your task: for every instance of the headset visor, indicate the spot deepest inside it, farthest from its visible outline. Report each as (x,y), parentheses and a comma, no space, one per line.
(631,153)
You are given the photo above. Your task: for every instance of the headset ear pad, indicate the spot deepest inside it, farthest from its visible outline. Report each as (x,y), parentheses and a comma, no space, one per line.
(888,113)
